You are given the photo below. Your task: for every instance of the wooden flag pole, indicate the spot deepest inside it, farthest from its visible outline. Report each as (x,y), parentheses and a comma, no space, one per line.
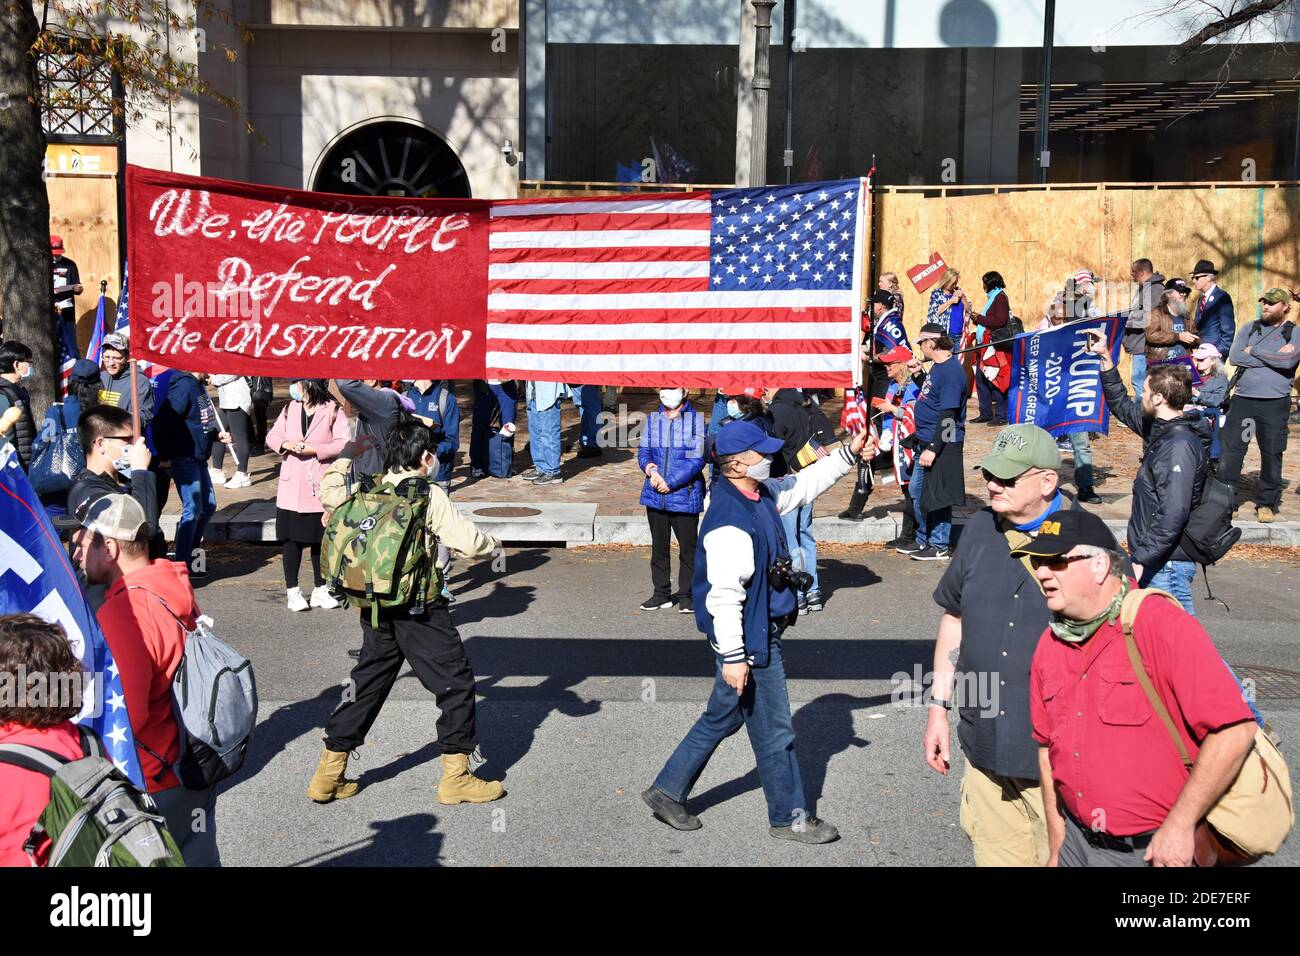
(135,403)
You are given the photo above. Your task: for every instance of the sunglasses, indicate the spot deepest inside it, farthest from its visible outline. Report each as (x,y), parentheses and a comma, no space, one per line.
(1057,563)
(1006,482)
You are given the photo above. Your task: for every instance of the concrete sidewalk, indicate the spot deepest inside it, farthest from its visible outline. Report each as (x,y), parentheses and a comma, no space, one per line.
(598,503)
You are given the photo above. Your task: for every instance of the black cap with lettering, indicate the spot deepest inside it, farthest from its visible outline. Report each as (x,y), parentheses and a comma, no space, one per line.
(1064,531)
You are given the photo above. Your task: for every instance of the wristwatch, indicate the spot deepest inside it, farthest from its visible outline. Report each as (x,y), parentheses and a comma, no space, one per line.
(939,702)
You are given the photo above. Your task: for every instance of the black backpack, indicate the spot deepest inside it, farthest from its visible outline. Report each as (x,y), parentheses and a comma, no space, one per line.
(1209,534)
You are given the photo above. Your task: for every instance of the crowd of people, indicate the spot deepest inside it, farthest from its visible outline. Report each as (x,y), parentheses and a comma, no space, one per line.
(1034,578)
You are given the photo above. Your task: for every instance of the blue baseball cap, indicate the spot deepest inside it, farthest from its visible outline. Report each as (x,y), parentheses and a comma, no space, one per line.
(736,437)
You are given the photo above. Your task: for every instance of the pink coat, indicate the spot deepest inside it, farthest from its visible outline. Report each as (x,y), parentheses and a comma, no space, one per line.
(299,488)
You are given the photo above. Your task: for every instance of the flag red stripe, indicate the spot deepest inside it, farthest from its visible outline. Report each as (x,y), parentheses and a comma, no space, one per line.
(610,253)
(613,316)
(703,379)
(673,347)
(597,221)
(597,286)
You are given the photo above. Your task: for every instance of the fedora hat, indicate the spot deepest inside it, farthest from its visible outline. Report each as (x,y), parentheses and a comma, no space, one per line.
(1205,267)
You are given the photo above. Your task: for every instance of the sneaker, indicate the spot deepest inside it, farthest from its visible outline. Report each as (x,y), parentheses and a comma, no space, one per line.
(239,480)
(656,603)
(1088,496)
(850,515)
(355,653)
(686,607)
(548,479)
(296,601)
(321,598)
(529,474)
(447,595)
(910,548)
(477,473)
(810,830)
(930,554)
(669,811)
(813,602)
(802,600)
(590,451)
(218,478)
(1265,514)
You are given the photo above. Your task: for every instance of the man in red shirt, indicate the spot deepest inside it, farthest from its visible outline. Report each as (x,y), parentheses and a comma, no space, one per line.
(112,548)
(1115,791)
(35,647)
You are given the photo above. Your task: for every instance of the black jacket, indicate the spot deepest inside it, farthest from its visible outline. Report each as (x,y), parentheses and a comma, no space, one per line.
(1169,480)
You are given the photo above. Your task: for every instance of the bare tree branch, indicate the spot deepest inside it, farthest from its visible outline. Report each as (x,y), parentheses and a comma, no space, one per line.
(1231,21)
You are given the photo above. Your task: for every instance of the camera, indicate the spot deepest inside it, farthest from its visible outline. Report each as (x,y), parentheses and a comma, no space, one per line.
(782,574)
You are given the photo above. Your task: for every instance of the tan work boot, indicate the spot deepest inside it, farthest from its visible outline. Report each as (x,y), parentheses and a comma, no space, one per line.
(328,783)
(1264,514)
(458,785)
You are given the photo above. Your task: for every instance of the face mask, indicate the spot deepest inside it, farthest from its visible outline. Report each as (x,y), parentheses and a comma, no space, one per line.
(671,397)
(733,409)
(27,373)
(121,465)
(1076,632)
(761,471)
(295,392)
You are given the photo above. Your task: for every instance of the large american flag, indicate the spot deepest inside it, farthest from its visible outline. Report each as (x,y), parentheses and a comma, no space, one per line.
(701,289)
(122,324)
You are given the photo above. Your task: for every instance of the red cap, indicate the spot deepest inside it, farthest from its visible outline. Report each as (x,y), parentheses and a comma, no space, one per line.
(753,391)
(898,353)
(56,242)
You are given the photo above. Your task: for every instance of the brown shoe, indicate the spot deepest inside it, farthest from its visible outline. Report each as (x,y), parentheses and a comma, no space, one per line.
(329,782)
(1265,514)
(458,785)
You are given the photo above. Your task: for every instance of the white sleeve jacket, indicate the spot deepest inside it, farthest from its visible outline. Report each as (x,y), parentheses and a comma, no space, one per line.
(730,551)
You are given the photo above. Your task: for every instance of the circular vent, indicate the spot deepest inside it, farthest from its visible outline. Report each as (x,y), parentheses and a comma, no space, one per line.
(507,511)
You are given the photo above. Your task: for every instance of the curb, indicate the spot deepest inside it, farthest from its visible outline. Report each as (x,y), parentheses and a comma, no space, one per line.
(578,525)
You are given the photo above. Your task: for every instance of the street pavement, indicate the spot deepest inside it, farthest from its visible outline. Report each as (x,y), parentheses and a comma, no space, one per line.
(583,697)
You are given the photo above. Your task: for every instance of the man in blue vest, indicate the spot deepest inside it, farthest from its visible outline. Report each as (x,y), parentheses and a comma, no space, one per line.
(746,595)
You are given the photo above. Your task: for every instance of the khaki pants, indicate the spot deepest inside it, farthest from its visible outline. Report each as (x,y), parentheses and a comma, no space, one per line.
(1003,816)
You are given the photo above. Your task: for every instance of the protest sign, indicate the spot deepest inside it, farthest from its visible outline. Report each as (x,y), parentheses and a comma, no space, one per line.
(1056,381)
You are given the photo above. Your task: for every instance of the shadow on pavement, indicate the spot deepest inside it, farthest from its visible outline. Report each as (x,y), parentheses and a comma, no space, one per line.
(506,733)
(823,727)
(406,841)
(285,725)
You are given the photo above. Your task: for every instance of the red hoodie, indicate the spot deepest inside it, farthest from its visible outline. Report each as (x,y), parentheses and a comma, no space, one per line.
(147,645)
(24,793)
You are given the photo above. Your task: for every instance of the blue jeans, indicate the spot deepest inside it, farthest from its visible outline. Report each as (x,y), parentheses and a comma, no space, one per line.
(799,539)
(198,503)
(764,710)
(544,438)
(933,529)
(1138,375)
(1082,448)
(1176,577)
(500,401)
(587,398)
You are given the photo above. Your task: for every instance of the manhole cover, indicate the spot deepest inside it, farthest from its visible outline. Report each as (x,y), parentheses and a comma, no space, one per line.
(1269,682)
(508,511)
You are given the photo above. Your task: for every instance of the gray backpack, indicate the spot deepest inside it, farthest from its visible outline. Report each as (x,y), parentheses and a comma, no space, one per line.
(214,698)
(96,816)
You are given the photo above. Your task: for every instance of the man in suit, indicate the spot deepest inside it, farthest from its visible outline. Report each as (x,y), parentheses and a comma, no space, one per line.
(1215,320)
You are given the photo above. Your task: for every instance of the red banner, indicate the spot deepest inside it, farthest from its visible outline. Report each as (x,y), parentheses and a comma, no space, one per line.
(257,280)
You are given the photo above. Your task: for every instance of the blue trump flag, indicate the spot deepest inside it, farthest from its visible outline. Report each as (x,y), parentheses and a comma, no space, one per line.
(37,577)
(1056,381)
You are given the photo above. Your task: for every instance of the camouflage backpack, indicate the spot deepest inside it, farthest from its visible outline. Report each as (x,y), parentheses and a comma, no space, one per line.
(378,549)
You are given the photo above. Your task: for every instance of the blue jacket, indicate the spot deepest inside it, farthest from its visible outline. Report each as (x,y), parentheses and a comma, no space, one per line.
(185,423)
(1215,321)
(676,445)
(439,404)
(760,520)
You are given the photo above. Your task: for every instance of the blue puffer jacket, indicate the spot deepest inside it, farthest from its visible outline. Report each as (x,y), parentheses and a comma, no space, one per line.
(676,445)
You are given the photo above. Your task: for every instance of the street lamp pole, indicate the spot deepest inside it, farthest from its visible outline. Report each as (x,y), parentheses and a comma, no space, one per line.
(762,83)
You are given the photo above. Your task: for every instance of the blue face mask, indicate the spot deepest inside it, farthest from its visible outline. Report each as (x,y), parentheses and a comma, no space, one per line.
(733,409)
(295,392)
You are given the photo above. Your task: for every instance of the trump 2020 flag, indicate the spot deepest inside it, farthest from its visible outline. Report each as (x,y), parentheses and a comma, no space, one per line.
(36,577)
(1056,381)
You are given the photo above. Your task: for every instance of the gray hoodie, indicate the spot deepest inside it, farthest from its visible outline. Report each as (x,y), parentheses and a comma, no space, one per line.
(1145,299)
(1266,370)
(117,392)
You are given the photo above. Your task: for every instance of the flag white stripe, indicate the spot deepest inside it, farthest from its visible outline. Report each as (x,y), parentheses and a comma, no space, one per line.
(669,331)
(598,238)
(616,362)
(793,299)
(599,270)
(640,206)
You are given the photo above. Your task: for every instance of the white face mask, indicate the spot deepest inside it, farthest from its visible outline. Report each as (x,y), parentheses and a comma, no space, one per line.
(122,465)
(295,392)
(671,397)
(761,471)
(27,372)
(733,409)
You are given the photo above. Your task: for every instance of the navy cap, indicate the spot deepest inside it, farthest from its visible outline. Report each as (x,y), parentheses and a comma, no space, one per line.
(85,368)
(739,436)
